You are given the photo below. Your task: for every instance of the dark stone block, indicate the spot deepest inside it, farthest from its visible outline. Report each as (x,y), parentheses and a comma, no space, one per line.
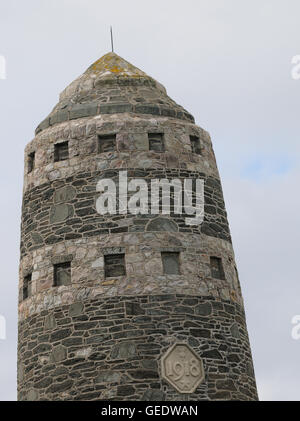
(87,228)
(61,387)
(108,377)
(85,211)
(83,110)
(72,236)
(125,390)
(143,374)
(223,347)
(233,358)
(168,112)
(64,194)
(159,298)
(201,333)
(190,301)
(41,348)
(223,395)
(147,109)
(61,116)
(189,117)
(60,370)
(89,396)
(85,325)
(153,395)
(162,224)
(43,383)
(229,308)
(59,353)
(183,310)
(84,204)
(52,239)
(97,356)
(123,350)
(62,258)
(72,341)
(210,210)
(234,329)
(214,183)
(204,309)
(60,334)
(100,339)
(115,108)
(133,309)
(150,364)
(76,309)
(37,238)
(96,232)
(72,362)
(213,354)
(227,384)
(189,323)
(119,230)
(155,332)
(60,213)
(43,125)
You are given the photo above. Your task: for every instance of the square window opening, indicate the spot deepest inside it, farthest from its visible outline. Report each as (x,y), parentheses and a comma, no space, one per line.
(195,144)
(27,286)
(156,142)
(216,268)
(106,143)
(31,162)
(61,151)
(114,265)
(170,261)
(62,274)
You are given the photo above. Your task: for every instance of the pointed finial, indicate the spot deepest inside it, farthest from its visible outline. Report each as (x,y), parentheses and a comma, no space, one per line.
(111,39)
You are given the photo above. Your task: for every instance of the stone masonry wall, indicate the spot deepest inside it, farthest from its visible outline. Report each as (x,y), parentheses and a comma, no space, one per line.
(110,349)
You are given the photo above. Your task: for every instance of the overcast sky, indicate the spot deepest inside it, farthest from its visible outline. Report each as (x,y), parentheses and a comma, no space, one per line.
(228,62)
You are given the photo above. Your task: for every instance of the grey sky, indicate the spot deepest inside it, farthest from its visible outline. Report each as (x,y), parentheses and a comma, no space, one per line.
(228,62)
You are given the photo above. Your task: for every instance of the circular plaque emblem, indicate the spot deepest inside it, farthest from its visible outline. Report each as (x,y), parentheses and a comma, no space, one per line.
(182,368)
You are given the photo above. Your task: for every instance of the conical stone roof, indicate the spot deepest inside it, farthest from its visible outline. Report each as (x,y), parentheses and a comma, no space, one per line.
(112,85)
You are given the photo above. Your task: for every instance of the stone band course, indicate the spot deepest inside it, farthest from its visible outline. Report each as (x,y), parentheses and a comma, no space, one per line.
(132,149)
(144,269)
(93,108)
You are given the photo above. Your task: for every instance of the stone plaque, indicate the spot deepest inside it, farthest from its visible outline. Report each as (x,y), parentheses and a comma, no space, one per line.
(182,368)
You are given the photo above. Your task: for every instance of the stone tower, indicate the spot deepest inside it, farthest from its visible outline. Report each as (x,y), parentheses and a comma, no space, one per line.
(125,306)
